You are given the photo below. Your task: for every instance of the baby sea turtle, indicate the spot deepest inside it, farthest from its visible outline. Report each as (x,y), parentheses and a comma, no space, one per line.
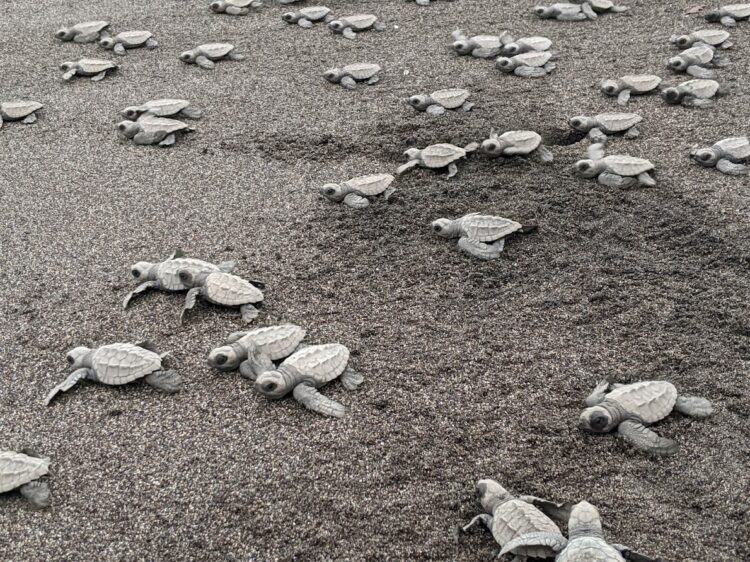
(518,527)
(516,143)
(729,15)
(116,364)
(592,8)
(349,75)
(714,37)
(206,55)
(350,25)
(162,108)
(600,126)
(305,371)
(694,93)
(250,352)
(694,60)
(617,170)
(561,11)
(23,111)
(22,471)
(482,236)
(586,539)
(480,46)
(305,17)
(234,7)
(634,84)
(437,102)
(354,192)
(630,408)
(95,68)
(437,156)
(730,156)
(164,276)
(526,45)
(533,64)
(150,129)
(221,288)
(86,32)
(121,42)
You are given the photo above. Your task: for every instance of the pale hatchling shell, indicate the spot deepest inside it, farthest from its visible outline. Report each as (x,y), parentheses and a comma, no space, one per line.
(164,107)
(589,549)
(641,82)
(17,469)
(215,50)
(276,342)
(89,27)
(525,141)
(321,363)
(95,66)
(239,3)
(617,122)
(515,518)
(168,271)
(737,10)
(735,147)
(624,165)
(359,22)
(121,363)
(372,184)
(133,38)
(710,36)
(230,290)
(315,13)
(487,228)
(649,400)
(440,155)
(361,71)
(487,42)
(536,43)
(702,89)
(14,110)
(451,98)
(152,123)
(702,53)
(532,58)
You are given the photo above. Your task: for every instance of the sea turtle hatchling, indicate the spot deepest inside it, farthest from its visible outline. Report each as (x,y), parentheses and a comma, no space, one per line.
(616,170)
(599,127)
(150,130)
(561,11)
(348,76)
(206,55)
(355,192)
(482,236)
(714,37)
(86,32)
(22,471)
(730,156)
(436,156)
(162,108)
(349,26)
(437,102)
(23,111)
(694,61)
(121,42)
(526,45)
(479,46)
(305,17)
(251,352)
(629,408)
(592,8)
(306,370)
(516,143)
(95,68)
(116,364)
(729,15)
(533,64)
(234,7)
(694,93)
(221,288)
(632,84)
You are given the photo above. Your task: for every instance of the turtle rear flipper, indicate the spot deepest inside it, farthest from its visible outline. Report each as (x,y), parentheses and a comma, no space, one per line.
(544,154)
(36,492)
(435,109)
(632,133)
(646,440)
(139,289)
(308,396)
(99,77)
(166,381)
(480,249)
(356,201)
(351,379)
(168,140)
(646,179)
(730,168)
(555,542)
(151,43)
(73,378)
(694,406)
(235,56)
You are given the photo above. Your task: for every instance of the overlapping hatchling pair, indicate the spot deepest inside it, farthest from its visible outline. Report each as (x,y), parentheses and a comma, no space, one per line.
(697,61)
(152,130)
(616,170)
(439,101)
(20,110)
(632,84)
(206,55)
(592,8)
(714,37)
(482,236)
(516,143)
(22,471)
(437,156)
(116,364)
(121,42)
(305,17)
(730,156)
(599,127)
(348,76)
(305,371)
(234,7)
(355,192)
(479,46)
(561,11)
(532,64)
(629,408)
(253,352)
(349,26)
(729,15)
(96,69)
(85,32)
(223,289)
(162,108)
(695,93)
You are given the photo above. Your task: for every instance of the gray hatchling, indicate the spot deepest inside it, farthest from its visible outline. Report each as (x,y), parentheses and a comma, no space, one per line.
(221,288)
(480,46)
(121,42)
(425,2)
(23,111)
(592,8)
(355,192)
(349,26)
(482,236)
(599,127)
(305,17)
(516,143)
(586,541)
(533,64)
(526,45)
(206,55)
(22,472)
(95,68)
(349,75)
(437,156)
(633,84)
(729,15)
(694,93)
(152,130)
(714,37)
(694,61)
(730,156)
(437,102)
(252,352)
(561,11)
(86,32)
(629,408)
(164,276)
(116,364)
(616,170)
(518,526)
(234,7)
(305,371)
(162,108)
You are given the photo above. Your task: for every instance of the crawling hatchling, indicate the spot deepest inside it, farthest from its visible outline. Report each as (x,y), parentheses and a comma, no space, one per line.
(695,93)
(632,84)
(86,32)
(116,364)
(437,156)
(22,110)
(592,8)
(152,130)
(206,55)
(348,76)
(425,2)
(600,127)
(234,7)
(516,143)
(121,42)
(356,191)
(221,288)
(305,17)
(482,236)
(526,45)
(695,60)
(438,102)
(22,472)
(96,69)
(162,108)
(714,37)
(305,371)
(349,26)
(730,156)
(616,170)
(629,408)
(561,11)
(479,46)
(729,15)
(533,64)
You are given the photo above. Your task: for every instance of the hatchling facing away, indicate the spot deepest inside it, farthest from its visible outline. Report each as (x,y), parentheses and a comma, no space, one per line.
(305,371)
(592,8)
(516,143)
(694,61)
(482,236)
(221,288)
(694,93)
(252,352)
(350,25)
(22,471)
(616,170)
(116,364)
(480,46)
(23,111)
(600,126)
(630,408)
(121,42)
(234,7)
(634,84)
(730,156)
(437,102)
(533,64)
(437,156)
(349,75)
(86,32)
(714,37)
(95,68)
(729,15)
(561,11)
(164,276)
(526,45)
(355,192)
(206,55)
(162,108)
(149,130)
(305,17)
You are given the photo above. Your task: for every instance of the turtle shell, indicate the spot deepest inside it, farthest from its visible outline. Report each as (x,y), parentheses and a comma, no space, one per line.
(487,41)
(737,148)
(239,3)
(14,110)
(487,228)
(702,89)
(532,58)
(215,50)
(592,549)
(319,363)
(315,13)
(710,36)
(361,71)
(536,43)
(601,5)
(524,142)
(515,518)
(649,400)
(94,66)
(359,22)
(450,98)
(440,155)
(617,122)
(152,123)
(737,10)
(700,53)
(168,272)
(641,82)
(164,107)
(88,27)
(230,290)
(17,469)
(624,165)
(370,185)
(276,342)
(121,363)
(133,38)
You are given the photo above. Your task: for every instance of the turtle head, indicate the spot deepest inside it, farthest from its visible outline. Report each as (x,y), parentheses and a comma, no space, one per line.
(672,95)
(713,16)
(587,168)
(491,494)
(143,271)
(130,113)
(77,357)
(273,384)
(505,64)
(581,123)
(107,43)
(128,129)
(188,56)
(291,17)
(463,46)
(584,521)
(64,33)
(610,87)
(227,358)
(412,153)
(333,75)
(336,26)
(511,49)
(419,102)
(218,6)
(707,157)
(543,11)
(444,227)
(66,66)
(677,64)
(493,146)
(681,41)
(597,419)
(332,191)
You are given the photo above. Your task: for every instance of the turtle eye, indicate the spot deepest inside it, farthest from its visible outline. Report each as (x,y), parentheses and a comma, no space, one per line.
(705,157)
(583,166)
(599,421)
(269,387)
(185,56)
(288,16)
(414,100)
(330,191)
(70,359)
(539,11)
(134,272)
(220,359)
(575,122)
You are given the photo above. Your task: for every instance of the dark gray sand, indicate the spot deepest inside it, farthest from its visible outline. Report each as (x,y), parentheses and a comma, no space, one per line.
(472,369)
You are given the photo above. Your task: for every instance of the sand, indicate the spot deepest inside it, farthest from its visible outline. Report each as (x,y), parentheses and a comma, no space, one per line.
(472,369)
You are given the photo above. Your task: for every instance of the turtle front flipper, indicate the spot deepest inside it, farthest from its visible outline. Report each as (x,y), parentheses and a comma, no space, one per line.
(310,398)
(139,289)
(348,82)
(694,406)
(588,11)
(234,336)
(597,136)
(623,97)
(553,510)
(36,492)
(615,180)
(646,179)
(452,169)
(555,542)
(351,379)
(356,201)
(480,249)
(205,62)
(236,11)
(410,164)
(235,56)
(692,101)
(73,378)
(256,364)
(530,71)
(728,167)
(304,22)
(484,518)
(168,140)
(597,396)
(632,133)
(646,440)
(349,33)
(227,266)
(190,298)
(249,313)
(544,154)
(69,74)
(166,381)
(144,138)
(151,43)
(435,109)
(119,49)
